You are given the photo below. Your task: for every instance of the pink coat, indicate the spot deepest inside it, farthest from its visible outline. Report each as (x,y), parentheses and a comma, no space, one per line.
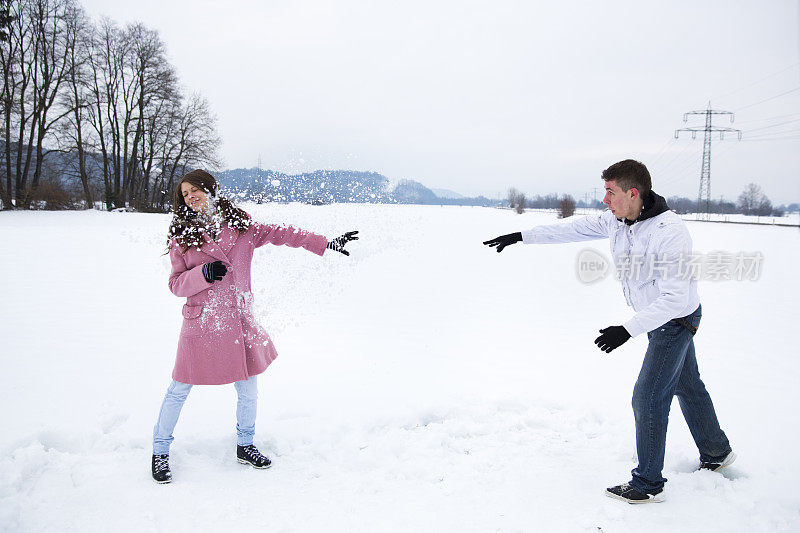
(221,341)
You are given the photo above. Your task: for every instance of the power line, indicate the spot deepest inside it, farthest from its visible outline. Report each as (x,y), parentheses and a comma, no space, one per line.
(773,125)
(770,98)
(680,174)
(765,78)
(661,152)
(777,117)
(671,161)
(772,139)
(769,133)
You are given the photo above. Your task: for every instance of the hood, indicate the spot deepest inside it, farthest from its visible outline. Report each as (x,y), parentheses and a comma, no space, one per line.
(653,206)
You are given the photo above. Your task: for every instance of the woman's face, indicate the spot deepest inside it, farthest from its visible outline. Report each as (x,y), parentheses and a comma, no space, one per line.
(194,197)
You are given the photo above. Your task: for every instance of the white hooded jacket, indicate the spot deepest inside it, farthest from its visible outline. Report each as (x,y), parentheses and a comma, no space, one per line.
(659,288)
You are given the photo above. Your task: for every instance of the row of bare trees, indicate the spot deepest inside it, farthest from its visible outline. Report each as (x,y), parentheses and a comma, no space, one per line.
(100,103)
(518,202)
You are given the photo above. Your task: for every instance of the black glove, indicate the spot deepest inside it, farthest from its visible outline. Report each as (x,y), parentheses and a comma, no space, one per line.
(503,240)
(214,271)
(612,337)
(339,242)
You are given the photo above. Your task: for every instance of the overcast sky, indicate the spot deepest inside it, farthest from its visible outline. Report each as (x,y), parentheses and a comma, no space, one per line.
(477,96)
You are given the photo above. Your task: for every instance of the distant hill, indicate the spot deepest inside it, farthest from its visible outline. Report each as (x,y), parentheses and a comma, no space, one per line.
(321,186)
(328,186)
(446,193)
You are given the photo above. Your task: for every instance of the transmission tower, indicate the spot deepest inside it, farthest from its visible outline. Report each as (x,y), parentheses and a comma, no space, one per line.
(704,195)
(594,190)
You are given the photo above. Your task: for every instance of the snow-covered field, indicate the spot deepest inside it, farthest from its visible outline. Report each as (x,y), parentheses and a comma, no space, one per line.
(425,383)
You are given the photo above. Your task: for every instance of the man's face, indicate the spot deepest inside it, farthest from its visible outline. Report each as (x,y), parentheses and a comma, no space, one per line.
(622,203)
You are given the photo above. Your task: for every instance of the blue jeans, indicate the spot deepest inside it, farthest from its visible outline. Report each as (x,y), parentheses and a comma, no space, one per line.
(670,369)
(177,392)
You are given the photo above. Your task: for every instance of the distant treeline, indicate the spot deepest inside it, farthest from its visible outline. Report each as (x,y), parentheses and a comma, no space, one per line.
(752,201)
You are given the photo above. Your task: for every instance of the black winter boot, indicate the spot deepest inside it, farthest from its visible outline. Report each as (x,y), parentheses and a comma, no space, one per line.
(249,455)
(160,469)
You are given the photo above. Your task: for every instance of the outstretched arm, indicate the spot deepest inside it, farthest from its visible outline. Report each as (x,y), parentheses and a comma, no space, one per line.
(287,236)
(582,229)
(588,228)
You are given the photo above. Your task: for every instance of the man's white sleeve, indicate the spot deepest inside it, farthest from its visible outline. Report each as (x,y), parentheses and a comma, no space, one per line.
(588,228)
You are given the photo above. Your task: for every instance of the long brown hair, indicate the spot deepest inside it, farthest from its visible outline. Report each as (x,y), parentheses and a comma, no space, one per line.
(186,228)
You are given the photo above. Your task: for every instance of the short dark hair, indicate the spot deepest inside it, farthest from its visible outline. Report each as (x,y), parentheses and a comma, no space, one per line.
(629,174)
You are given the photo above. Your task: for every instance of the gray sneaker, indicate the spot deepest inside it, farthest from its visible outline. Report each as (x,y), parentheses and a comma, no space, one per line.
(628,494)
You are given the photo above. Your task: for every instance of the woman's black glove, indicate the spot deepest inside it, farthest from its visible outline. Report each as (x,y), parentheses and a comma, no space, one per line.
(503,240)
(214,271)
(339,242)
(612,337)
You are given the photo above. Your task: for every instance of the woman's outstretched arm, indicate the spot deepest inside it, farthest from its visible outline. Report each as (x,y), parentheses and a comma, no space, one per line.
(278,235)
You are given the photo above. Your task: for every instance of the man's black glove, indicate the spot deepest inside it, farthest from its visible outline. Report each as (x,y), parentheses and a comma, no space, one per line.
(214,271)
(338,243)
(503,240)
(612,337)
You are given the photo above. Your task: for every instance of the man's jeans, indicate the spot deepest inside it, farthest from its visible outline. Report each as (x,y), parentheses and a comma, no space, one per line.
(670,368)
(176,396)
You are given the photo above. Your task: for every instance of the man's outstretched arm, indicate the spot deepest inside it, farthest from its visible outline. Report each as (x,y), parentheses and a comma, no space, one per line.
(586,228)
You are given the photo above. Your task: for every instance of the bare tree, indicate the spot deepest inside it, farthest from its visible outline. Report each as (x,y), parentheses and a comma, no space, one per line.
(192,142)
(18,67)
(157,87)
(753,201)
(512,197)
(566,208)
(50,20)
(75,98)
(516,200)
(103,91)
(8,64)
(520,203)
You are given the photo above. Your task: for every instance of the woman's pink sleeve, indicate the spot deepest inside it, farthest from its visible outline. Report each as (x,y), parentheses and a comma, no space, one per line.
(288,236)
(184,281)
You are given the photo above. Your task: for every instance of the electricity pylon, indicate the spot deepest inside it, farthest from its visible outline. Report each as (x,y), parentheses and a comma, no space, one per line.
(704,195)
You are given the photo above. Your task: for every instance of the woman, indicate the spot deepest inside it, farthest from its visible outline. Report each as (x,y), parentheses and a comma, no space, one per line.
(211,245)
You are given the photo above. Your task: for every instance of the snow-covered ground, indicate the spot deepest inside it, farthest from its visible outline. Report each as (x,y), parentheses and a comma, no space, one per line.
(425,383)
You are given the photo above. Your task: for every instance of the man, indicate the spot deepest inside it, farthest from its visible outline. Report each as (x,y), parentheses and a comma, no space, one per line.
(650,245)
